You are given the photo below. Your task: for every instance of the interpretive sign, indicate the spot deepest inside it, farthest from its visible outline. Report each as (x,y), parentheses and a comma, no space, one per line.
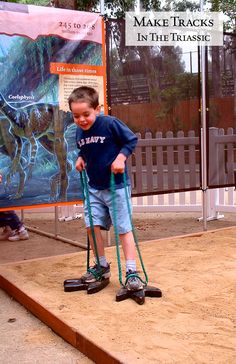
(45,53)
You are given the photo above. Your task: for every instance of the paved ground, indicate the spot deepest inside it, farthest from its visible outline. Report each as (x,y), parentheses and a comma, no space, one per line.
(26,340)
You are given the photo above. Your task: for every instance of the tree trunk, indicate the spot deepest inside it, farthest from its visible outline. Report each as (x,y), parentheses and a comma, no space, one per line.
(64,4)
(152,74)
(216,74)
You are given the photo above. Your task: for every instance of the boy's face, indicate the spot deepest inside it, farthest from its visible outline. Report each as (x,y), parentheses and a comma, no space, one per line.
(84,115)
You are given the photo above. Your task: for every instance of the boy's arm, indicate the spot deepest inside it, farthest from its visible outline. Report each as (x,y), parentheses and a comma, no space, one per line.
(118,165)
(80,164)
(127,140)
(124,137)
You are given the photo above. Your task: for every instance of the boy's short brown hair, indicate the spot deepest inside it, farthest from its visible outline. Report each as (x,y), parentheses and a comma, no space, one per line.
(84,94)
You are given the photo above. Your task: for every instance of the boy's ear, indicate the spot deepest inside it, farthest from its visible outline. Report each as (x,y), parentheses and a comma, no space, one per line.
(98,109)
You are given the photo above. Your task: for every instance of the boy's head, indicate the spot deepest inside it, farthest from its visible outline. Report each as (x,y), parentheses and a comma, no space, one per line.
(84,105)
(84,94)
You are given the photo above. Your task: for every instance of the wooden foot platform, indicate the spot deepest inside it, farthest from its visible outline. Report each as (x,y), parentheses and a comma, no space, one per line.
(138,296)
(71,285)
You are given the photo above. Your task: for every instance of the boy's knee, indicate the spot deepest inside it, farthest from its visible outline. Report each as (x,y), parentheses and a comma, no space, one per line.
(89,228)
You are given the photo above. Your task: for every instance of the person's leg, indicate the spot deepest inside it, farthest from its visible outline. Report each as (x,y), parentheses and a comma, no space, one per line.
(123,223)
(133,281)
(99,240)
(100,218)
(129,249)
(2,219)
(6,232)
(101,269)
(100,245)
(14,229)
(10,222)
(124,228)
(10,218)
(19,231)
(128,245)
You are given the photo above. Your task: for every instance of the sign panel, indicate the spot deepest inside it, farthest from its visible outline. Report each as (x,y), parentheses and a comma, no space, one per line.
(174,29)
(45,53)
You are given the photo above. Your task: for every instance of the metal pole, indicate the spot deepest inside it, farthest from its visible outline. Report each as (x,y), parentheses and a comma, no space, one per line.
(102,7)
(56,221)
(191,63)
(204,148)
(102,11)
(22,215)
(56,237)
(137,6)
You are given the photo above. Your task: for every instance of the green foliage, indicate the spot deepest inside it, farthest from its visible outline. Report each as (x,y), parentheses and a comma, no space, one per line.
(170,97)
(117,8)
(228,8)
(87,5)
(187,84)
(181,5)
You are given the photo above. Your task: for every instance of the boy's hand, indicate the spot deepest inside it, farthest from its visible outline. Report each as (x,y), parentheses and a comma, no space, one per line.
(118,166)
(80,164)
(0,178)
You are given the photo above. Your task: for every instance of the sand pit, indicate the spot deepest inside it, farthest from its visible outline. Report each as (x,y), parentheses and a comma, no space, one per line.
(194,321)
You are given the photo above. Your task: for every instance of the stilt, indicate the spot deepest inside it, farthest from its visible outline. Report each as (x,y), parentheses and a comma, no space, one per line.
(71,285)
(138,296)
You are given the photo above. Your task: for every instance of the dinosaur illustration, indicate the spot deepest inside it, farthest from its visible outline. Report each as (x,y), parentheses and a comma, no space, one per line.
(46,124)
(11,146)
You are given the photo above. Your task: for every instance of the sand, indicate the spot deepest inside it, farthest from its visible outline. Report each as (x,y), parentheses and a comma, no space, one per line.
(194,321)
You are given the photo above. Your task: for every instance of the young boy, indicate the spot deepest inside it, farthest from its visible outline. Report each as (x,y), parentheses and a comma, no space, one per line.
(104,144)
(13,228)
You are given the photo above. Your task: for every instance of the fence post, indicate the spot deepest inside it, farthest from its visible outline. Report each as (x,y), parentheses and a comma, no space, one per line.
(213,202)
(213,157)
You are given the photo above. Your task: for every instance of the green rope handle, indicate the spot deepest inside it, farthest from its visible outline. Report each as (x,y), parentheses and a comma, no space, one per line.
(88,242)
(84,183)
(134,232)
(117,239)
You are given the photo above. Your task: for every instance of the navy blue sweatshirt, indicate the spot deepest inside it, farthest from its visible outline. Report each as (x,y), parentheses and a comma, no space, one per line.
(99,147)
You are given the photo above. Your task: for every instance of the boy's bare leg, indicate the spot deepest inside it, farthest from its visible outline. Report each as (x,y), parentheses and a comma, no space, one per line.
(133,283)
(94,274)
(99,240)
(98,272)
(128,245)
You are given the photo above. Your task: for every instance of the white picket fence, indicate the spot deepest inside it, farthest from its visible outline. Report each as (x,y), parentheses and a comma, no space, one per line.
(166,162)
(219,200)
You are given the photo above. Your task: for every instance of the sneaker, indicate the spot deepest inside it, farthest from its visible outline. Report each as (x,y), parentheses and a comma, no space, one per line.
(133,281)
(7,231)
(95,274)
(19,235)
